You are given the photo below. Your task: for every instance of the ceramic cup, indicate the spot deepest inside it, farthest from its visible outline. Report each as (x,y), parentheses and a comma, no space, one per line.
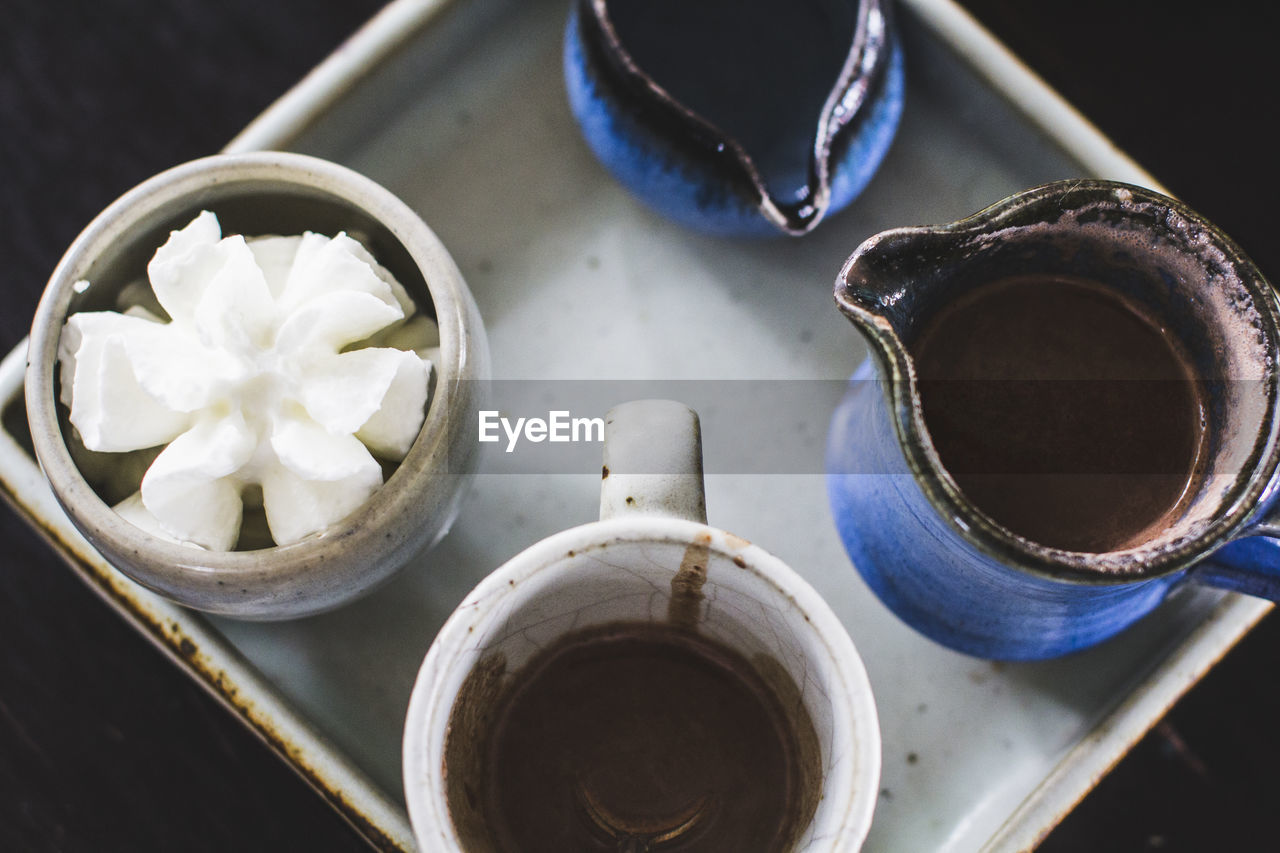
(737,118)
(624,567)
(949,570)
(270,193)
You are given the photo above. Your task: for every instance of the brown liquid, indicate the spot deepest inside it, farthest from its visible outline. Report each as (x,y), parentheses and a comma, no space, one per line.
(1061,412)
(631,733)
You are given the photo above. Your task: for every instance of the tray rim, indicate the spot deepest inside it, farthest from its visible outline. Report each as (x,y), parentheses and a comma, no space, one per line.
(219,667)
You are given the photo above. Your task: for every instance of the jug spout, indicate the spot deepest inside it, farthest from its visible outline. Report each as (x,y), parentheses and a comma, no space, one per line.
(1136,242)
(737,117)
(891,283)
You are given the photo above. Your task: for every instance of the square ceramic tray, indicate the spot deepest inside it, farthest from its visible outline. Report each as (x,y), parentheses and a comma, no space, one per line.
(459,108)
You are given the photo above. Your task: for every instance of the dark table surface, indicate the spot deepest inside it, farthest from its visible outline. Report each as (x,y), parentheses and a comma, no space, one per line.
(105,745)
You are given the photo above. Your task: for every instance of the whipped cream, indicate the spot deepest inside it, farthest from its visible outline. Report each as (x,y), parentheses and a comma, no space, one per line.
(274,369)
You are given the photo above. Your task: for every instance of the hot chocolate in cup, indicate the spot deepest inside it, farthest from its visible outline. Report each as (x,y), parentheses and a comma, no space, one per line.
(661,619)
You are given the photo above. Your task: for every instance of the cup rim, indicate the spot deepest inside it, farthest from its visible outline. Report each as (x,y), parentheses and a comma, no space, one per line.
(1107,568)
(430,708)
(183,571)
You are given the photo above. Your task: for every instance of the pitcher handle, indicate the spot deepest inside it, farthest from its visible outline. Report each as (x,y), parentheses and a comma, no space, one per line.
(652,462)
(1250,564)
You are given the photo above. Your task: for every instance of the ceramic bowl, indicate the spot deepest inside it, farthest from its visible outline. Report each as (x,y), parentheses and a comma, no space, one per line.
(270,193)
(741,119)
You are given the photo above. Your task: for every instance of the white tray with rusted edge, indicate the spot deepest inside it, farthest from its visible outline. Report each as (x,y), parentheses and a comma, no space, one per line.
(457,107)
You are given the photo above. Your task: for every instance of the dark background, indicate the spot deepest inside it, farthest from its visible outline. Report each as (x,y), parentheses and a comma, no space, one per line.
(104,745)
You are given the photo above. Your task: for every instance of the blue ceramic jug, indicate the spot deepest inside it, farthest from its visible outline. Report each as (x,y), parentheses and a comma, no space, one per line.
(737,117)
(943,565)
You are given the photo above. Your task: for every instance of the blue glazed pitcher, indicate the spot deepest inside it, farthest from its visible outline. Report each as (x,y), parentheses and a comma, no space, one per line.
(947,568)
(737,117)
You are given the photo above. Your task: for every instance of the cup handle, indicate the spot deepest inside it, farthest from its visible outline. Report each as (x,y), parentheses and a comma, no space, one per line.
(652,462)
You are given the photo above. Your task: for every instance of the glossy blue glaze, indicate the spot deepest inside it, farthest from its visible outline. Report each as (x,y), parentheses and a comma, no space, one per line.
(868,147)
(710,192)
(644,164)
(920,565)
(1250,565)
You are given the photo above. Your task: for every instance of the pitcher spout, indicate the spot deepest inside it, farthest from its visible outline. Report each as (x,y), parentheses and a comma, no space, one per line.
(889,285)
(737,118)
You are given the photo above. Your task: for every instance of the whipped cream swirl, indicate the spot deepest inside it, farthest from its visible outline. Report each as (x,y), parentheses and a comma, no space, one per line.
(284,365)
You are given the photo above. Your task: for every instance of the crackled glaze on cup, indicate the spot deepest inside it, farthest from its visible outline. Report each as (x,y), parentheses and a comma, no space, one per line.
(621,569)
(952,572)
(271,193)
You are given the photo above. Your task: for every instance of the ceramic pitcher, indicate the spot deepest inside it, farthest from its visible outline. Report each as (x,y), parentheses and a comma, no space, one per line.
(927,551)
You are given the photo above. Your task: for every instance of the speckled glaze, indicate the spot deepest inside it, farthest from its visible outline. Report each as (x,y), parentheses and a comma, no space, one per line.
(623,567)
(689,170)
(950,571)
(266,193)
